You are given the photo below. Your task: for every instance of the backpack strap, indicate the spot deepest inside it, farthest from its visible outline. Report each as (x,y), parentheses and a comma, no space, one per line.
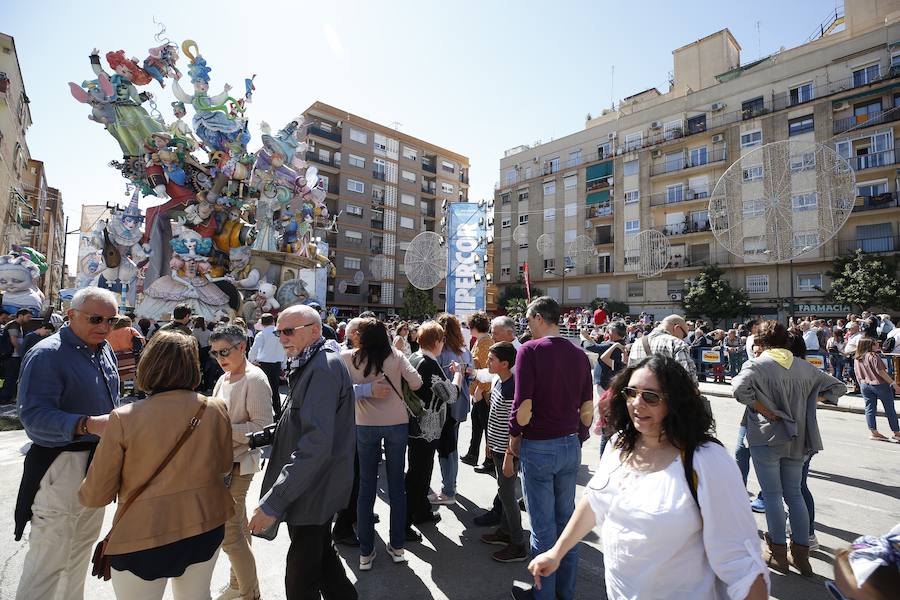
(687,459)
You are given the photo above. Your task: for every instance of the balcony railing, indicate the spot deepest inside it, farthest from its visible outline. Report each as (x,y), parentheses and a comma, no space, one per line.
(874,160)
(677,261)
(886,200)
(827,88)
(429,165)
(688,195)
(429,189)
(685,228)
(463,177)
(599,184)
(671,165)
(606,238)
(867,120)
(377,224)
(378,174)
(376,248)
(874,245)
(377,200)
(600,210)
(314,156)
(328,135)
(428,210)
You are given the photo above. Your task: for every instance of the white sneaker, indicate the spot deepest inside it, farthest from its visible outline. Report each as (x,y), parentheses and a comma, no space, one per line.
(813,542)
(365,562)
(228,593)
(432,497)
(443,500)
(398,556)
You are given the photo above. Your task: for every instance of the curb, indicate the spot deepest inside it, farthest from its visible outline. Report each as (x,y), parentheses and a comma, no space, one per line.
(821,406)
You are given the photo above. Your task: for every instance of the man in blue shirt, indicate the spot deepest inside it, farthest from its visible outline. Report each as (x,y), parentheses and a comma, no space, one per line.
(68,386)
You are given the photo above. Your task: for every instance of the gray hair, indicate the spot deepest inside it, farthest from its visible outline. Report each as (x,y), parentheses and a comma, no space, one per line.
(546,307)
(504,322)
(353,325)
(303,309)
(95,294)
(232,334)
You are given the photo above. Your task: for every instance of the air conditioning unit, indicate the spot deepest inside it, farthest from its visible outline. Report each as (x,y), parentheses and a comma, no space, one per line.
(717,106)
(655,125)
(587,224)
(675,296)
(718,138)
(841,106)
(610,180)
(340,123)
(611,135)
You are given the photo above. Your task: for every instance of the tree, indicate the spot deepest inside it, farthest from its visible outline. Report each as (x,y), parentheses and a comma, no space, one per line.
(865,281)
(417,304)
(712,297)
(610,306)
(508,292)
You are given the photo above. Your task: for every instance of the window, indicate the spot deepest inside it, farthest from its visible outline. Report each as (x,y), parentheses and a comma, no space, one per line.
(356,186)
(757,284)
(523,195)
(570,235)
(755,244)
(510,177)
(574,292)
(634,140)
(521,270)
(574,158)
(674,161)
(866,75)
(446,188)
(699,220)
(751,138)
(408,199)
(505,222)
(570,182)
(878,237)
(528,173)
(407,223)
(571,209)
(549,214)
(380,143)
(324,155)
(635,289)
(805,240)
(604,150)
(354,210)
(801,93)
(523,219)
(866,112)
(809,282)
(449,167)
(699,187)
(352,290)
(674,193)
(672,130)
(549,188)
(504,198)
(804,202)
(357,161)
(696,124)
(505,271)
(803,162)
(698,156)
(754,173)
(872,189)
(800,125)
(551,165)
(604,265)
(630,167)
(352,235)
(357,135)
(549,264)
(754,208)
(895,60)
(632,196)
(352,263)
(632,227)
(323,181)
(604,290)
(410,153)
(753,108)
(408,176)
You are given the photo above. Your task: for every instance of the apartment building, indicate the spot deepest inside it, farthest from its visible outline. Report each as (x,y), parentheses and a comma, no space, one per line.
(387,187)
(654,161)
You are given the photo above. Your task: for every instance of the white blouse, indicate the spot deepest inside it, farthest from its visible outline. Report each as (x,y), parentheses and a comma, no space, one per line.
(655,543)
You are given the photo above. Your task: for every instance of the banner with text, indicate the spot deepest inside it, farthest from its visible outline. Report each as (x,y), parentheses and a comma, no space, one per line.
(466,248)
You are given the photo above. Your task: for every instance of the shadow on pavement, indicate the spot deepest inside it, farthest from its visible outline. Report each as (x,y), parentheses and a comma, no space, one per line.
(890,491)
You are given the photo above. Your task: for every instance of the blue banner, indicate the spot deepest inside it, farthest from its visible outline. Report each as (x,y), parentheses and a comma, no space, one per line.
(466,247)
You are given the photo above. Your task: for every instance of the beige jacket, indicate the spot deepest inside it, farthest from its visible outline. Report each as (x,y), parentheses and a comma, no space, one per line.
(249,402)
(188,497)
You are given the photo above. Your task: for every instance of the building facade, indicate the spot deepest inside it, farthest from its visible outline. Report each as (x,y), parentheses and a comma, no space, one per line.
(653,163)
(386,187)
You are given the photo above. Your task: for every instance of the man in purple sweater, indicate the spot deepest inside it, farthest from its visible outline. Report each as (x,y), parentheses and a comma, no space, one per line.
(550,417)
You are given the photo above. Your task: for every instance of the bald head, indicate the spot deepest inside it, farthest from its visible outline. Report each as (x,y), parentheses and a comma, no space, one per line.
(305,327)
(675,325)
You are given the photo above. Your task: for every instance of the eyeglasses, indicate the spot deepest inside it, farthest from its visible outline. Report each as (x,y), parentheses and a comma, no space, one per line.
(97,319)
(224,352)
(289,331)
(834,591)
(649,396)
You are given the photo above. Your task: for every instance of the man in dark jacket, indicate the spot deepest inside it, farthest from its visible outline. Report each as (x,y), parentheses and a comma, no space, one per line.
(310,471)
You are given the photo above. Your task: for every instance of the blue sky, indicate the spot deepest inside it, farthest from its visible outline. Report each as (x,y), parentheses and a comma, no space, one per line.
(476,77)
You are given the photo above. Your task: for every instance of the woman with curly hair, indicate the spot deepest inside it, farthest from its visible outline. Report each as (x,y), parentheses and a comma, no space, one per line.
(665,535)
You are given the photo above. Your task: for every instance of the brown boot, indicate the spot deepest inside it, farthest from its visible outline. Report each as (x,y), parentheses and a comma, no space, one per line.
(775,556)
(799,559)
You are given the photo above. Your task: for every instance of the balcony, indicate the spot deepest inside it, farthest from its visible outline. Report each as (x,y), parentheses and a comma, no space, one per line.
(875,245)
(874,160)
(677,261)
(429,163)
(604,209)
(429,189)
(314,156)
(886,200)
(463,177)
(376,246)
(599,184)
(378,174)
(820,90)
(688,195)
(754,111)
(428,210)
(373,298)
(685,228)
(672,165)
(377,223)
(603,238)
(316,130)
(378,200)
(866,120)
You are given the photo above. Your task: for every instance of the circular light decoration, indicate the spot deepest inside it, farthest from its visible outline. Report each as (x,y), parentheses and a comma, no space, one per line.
(546,245)
(426,261)
(520,234)
(781,201)
(647,253)
(581,250)
(377,266)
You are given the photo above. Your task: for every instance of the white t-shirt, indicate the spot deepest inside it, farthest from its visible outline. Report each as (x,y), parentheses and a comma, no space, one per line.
(749,345)
(655,544)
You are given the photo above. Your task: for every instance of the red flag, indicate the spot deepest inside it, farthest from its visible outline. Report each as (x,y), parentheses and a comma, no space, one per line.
(527,282)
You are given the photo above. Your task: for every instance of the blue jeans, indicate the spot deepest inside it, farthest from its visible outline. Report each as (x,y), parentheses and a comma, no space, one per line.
(807,495)
(450,468)
(549,472)
(883,392)
(781,477)
(837,365)
(742,454)
(368,446)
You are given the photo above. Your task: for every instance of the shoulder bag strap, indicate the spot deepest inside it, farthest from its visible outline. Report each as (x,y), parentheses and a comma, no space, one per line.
(646,343)
(192,425)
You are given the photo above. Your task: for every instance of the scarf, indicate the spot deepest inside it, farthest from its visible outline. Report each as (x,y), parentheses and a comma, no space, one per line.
(309,352)
(783,357)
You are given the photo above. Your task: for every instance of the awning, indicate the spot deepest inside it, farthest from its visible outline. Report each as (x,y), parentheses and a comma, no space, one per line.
(598,197)
(599,171)
(867,93)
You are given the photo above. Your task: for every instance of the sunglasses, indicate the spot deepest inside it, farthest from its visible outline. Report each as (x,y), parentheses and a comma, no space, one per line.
(224,352)
(834,591)
(289,331)
(650,397)
(97,319)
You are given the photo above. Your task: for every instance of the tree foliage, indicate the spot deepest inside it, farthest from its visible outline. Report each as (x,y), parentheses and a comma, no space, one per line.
(610,306)
(417,304)
(509,292)
(712,297)
(865,281)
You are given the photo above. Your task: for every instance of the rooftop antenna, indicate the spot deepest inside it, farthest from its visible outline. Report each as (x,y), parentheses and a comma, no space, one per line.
(396,125)
(612,85)
(758,42)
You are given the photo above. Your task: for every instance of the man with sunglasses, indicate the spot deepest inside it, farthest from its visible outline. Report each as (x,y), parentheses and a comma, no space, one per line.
(667,339)
(69,385)
(268,354)
(310,472)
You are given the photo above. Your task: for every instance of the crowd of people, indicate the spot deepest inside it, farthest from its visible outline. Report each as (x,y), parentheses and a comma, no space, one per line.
(668,500)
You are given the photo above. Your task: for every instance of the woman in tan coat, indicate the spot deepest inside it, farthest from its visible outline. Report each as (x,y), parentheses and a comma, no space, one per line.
(174,528)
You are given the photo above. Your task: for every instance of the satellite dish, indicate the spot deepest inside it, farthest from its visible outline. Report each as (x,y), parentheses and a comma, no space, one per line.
(581,250)
(342,286)
(546,245)
(377,265)
(652,250)
(520,234)
(358,277)
(781,201)
(426,260)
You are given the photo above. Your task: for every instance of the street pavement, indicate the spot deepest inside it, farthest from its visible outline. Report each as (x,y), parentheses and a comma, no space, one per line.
(855,482)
